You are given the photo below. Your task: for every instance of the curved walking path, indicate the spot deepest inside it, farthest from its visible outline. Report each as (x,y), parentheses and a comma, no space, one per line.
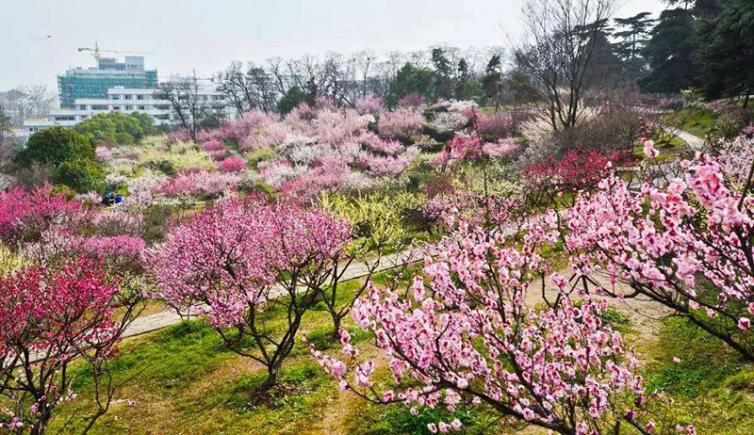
(168,317)
(695,142)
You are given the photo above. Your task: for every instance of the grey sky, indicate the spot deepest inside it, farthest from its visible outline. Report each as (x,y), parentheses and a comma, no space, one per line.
(208,34)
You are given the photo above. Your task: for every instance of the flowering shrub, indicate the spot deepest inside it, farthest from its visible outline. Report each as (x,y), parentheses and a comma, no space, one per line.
(466,335)
(103,153)
(213,145)
(413,99)
(402,123)
(25,215)
(495,126)
(232,164)
(117,221)
(48,318)
(576,170)
(242,256)
(179,136)
(200,183)
(115,254)
(450,121)
(370,104)
(471,148)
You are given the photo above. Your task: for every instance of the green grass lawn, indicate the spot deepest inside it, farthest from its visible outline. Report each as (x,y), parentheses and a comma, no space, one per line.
(183,380)
(710,385)
(693,120)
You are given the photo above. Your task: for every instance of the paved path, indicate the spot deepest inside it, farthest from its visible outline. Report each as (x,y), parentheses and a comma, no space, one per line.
(167,317)
(695,142)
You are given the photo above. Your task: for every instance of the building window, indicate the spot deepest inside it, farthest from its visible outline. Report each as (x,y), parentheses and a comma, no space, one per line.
(116,107)
(140,97)
(127,97)
(116,97)
(142,108)
(82,107)
(129,107)
(99,107)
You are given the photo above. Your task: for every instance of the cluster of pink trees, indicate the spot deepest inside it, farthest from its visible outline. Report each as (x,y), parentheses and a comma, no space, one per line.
(199,183)
(70,302)
(24,215)
(320,147)
(466,331)
(244,256)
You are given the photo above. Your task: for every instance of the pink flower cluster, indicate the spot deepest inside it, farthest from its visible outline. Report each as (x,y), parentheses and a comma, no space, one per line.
(232,164)
(103,153)
(56,314)
(253,130)
(200,183)
(57,245)
(471,148)
(497,125)
(577,169)
(179,136)
(370,104)
(402,123)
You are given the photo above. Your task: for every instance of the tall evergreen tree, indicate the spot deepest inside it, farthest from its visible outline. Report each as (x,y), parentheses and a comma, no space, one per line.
(670,52)
(443,73)
(632,37)
(727,56)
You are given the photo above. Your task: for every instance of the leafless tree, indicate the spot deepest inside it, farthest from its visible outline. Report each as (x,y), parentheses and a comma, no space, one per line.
(188,108)
(247,88)
(5,124)
(26,102)
(557,50)
(364,63)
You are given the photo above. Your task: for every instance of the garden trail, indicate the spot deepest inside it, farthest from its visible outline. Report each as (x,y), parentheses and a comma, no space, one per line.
(643,312)
(356,270)
(695,142)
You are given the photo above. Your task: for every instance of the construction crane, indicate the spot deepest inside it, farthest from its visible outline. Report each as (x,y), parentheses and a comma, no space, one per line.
(97,53)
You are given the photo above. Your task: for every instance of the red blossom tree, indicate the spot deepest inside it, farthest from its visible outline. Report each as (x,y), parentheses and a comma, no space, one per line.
(48,320)
(576,170)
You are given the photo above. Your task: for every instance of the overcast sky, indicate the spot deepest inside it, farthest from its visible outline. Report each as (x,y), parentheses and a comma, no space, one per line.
(208,34)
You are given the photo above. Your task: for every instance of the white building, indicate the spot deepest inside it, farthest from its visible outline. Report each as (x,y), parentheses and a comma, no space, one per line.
(120,99)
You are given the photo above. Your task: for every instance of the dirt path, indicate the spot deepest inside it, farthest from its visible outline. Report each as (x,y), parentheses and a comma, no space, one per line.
(645,315)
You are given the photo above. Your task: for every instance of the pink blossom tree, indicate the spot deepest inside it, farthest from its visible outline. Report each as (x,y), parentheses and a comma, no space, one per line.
(576,170)
(234,261)
(466,333)
(49,320)
(685,242)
